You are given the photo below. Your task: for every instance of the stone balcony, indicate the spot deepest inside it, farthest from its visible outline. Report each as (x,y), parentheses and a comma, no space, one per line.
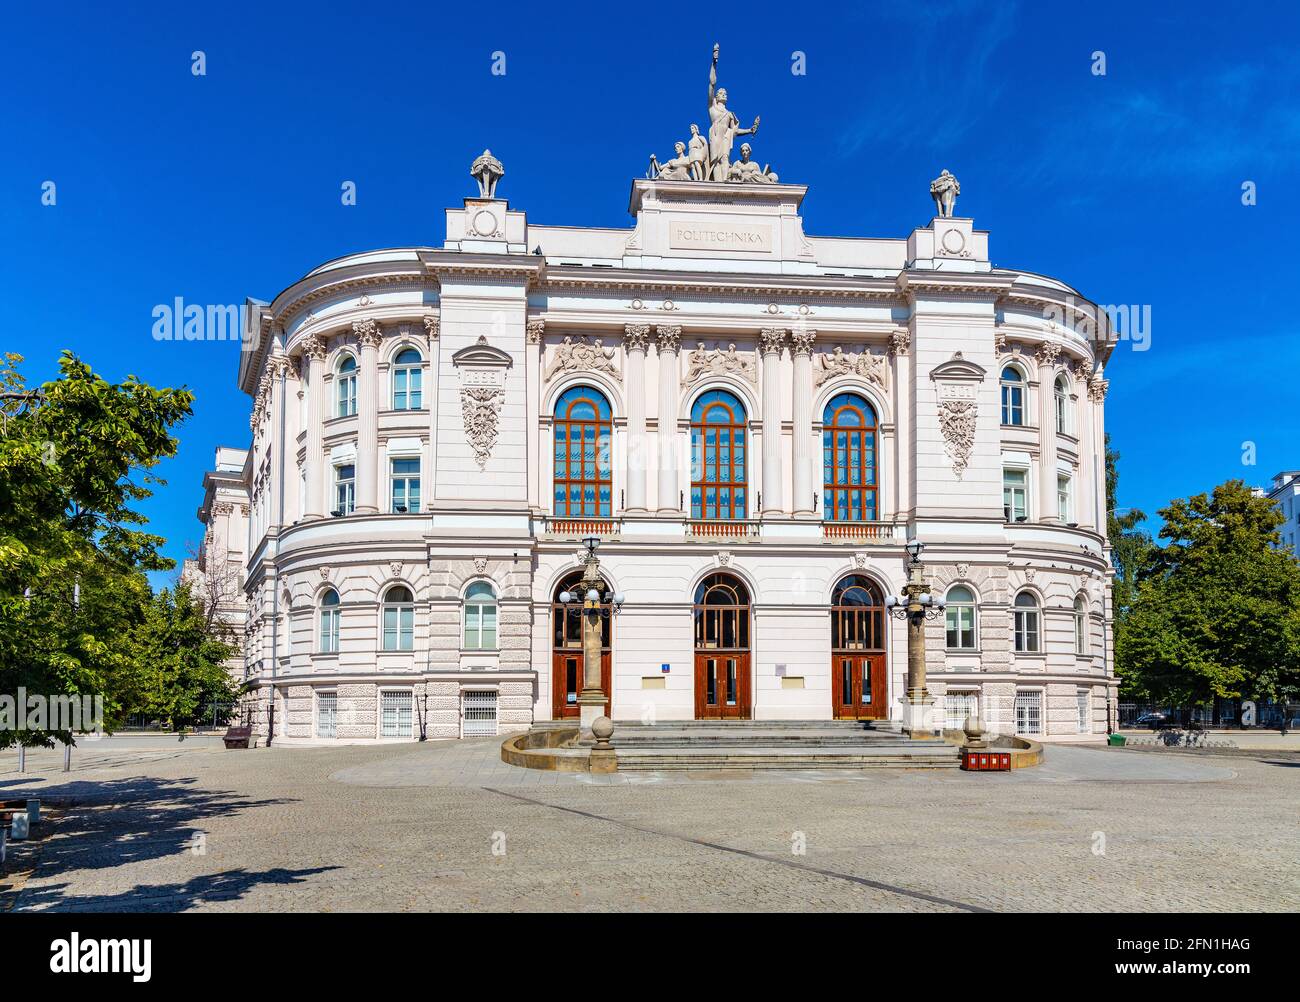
(676,528)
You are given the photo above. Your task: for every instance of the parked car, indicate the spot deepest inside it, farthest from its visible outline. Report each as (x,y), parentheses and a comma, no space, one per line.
(1155,720)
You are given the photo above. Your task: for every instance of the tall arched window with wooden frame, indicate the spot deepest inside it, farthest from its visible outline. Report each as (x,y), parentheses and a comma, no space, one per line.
(849,450)
(582,432)
(719,447)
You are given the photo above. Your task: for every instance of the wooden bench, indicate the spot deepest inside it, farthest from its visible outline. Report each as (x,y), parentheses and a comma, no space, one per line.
(240,737)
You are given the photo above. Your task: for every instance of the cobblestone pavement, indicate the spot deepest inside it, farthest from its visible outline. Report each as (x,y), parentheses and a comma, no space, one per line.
(447,826)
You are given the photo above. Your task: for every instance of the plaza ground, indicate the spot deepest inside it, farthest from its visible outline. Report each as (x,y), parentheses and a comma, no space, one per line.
(447,826)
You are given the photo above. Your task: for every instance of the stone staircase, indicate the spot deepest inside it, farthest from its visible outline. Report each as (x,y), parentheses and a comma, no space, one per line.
(774,744)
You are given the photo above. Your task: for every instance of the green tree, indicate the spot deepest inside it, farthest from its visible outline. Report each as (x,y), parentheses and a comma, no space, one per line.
(75,454)
(1217,609)
(182,657)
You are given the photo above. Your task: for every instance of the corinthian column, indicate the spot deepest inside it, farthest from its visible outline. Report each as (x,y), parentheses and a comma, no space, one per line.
(801,345)
(670,339)
(313,349)
(635,339)
(772,340)
(368,337)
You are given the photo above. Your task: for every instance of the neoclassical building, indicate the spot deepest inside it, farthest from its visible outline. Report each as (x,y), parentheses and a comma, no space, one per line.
(751,420)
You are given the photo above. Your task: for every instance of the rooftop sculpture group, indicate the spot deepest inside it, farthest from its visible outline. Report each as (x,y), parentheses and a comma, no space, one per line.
(698,159)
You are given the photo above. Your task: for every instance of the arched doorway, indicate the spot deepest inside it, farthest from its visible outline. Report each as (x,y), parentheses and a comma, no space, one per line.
(722,637)
(566,649)
(858,683)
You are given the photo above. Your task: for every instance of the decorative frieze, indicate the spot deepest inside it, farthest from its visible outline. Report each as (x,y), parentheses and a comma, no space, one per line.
(583,356)
(717,362)
(863,364)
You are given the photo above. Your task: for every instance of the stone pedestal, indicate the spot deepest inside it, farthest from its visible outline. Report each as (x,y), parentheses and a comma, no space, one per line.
(919,720)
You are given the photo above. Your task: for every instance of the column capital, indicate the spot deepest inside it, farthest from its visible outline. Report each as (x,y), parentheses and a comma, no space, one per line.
(669,337)
(900,341)
(1097,387)
(535,329)
(772,340)
(636,337)
(801,342)
(314,347)
(432,327)
(369,333)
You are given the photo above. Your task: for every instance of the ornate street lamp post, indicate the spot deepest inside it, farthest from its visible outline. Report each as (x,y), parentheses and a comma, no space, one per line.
(916,605)
(591,697)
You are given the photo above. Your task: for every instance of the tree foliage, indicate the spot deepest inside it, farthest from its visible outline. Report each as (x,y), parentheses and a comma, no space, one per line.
(1216,610)
(76,613)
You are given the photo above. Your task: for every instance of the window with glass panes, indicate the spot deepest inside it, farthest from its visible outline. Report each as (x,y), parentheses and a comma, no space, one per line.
(582,434)
(1062,393)
(1081,706)
(1063,498)
(407,381)
(959,618)
(1013,396)
(329,622)
(1029,711)
(480,617)
(718,441)
(346,380)
(398,620)
(957,706)
(1080,626)
(1024,616)
(395,714)
(849,460)
(345,489)
(406,485)
(1015,496)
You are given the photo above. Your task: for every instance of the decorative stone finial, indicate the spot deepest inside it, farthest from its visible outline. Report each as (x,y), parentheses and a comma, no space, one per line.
(974,732)
(487,170)
(944,189)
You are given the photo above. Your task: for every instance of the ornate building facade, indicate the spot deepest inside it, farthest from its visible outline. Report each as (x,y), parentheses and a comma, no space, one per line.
(752,421)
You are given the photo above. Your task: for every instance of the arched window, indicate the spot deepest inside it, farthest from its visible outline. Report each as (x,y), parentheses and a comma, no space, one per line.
(1080,626)
(1062,394)
(480,617)
(721,614)
(857,615)
(1013,396)
(849,460)
(329,622)
(408,377)
(1025,617)
(960,619)
(346,378)
(718,441)
(399,619)
(583,482)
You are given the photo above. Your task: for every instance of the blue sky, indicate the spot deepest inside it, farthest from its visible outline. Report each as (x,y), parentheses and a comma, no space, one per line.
(213,188)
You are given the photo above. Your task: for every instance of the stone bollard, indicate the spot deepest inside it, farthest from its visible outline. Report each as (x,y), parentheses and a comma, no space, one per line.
(19,828)
(603,758)
(974,732)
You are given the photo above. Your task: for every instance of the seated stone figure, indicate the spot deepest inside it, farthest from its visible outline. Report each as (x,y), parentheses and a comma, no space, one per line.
(676,169)
(746,170)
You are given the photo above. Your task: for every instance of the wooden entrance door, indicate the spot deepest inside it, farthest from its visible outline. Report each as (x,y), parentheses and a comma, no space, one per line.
(566,682)
(858,686)
(722,685)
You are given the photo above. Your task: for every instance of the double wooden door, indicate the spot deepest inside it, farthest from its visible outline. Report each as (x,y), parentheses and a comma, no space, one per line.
(858,687)
(566,682)
(722,684)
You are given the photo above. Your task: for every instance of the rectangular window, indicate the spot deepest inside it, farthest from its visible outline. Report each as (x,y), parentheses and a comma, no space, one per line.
(1063,498)
(1029,712)
(345,489)
(960,627)
(329,630)
(399,628)
(1025,622)
(347,396)
(395,715)
(406,485)
(407,389)
(1015,505)
(481,626)
(327,714)
(1085,723)
(479,711)
(957,707)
